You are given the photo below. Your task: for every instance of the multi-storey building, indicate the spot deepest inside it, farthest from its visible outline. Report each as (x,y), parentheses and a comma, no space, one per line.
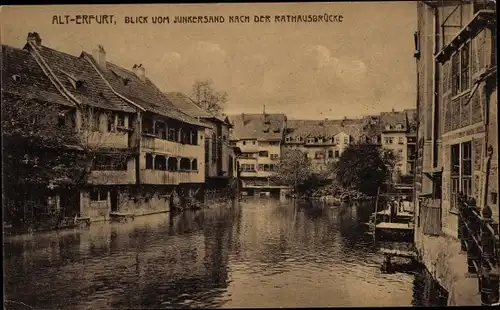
(259,138)
(455,51)
(395,132)
(323,141)
(220,157)
(143,149)
(170,149)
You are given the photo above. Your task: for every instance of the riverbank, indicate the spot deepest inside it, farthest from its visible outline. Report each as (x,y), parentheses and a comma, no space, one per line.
(53,224)
(442,257)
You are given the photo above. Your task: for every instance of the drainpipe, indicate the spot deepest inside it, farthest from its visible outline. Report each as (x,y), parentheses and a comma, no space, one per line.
(435,107)
(138,133)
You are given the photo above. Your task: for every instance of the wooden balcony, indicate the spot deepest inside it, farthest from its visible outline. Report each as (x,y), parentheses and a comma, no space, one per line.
(248,174)
(111,177)
(97,139)
(154,144)
(479,237)
(162,177)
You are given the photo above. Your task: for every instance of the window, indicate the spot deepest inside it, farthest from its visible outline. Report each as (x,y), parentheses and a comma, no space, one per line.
(214,148)
(244,143)
(108,163)
(387,127)
(274,143)
(388,140)
(111,122)
(330,154)
(400,140)
(274,156)
(61,120)
(464,78)
(287,139)
(98,194)
(466,166)
(261,167)
(263,154)
(254,142)
(318,155)
(95,120)
(337,154)
(460,70)
(461,171)
(120,120)
(149,161)
(399,126)
(299,139)
(247,167)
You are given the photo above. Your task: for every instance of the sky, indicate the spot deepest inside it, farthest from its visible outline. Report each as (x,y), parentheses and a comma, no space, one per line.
(362,65)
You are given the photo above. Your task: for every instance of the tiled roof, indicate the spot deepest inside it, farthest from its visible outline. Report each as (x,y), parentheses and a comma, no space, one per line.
(411,115)
(323,128)
(71,69)
(186,105)
(257,126)
(32,80)
(393,119)
(144,93)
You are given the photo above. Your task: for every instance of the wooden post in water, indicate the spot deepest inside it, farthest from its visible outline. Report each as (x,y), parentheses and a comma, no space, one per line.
(375,217)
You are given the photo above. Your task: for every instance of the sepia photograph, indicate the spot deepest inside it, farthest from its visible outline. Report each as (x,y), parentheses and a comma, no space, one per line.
(250,155)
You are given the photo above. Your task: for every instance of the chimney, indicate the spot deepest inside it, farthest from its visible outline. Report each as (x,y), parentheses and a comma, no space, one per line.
(141,72)
(264,109)
(99,55)
(134,69)
(34,38)
(392,109)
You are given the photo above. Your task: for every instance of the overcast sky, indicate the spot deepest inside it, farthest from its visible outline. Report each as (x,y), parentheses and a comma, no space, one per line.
(362,65)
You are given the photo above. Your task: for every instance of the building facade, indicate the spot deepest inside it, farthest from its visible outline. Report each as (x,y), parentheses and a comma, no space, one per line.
(322,141)
(259,137)
(457,146)
(143,153)
(220,157)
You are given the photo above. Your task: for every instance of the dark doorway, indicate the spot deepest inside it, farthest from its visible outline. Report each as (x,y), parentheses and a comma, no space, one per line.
(70,203)
(114,199)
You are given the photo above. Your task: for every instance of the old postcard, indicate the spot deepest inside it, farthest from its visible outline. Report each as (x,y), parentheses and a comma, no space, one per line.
(250,155)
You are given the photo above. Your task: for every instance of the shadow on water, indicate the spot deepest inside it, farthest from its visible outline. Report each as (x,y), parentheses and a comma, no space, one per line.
(257,253)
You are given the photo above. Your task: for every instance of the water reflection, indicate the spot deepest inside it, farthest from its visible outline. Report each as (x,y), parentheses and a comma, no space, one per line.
(259,253)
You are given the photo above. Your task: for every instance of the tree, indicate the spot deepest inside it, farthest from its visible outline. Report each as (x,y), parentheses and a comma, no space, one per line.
(43,152)
(207,98)
(294,169)
(364,168)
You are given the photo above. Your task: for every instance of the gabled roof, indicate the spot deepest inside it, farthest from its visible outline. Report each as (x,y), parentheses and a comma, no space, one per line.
(189,107)
(186,105)
(323,128)
(69,69)
(393,118)
(143,93)
(258,126)
(22,76)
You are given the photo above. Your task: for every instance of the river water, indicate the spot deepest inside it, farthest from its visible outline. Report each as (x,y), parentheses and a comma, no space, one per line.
(256,253)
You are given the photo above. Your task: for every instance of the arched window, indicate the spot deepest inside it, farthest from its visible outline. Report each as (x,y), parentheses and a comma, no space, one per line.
(194,164)
(160,162)
(185,163)
(172,164)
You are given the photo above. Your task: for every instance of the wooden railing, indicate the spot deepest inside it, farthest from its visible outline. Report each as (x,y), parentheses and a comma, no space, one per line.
(479,237)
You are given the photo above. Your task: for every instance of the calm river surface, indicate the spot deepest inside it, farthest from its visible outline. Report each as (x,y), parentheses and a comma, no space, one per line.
(258,253)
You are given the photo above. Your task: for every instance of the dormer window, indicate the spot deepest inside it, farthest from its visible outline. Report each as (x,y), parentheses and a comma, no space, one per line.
(267,122)
(266,129)
(387,127)
(16,77)
(276,130)
(310,140)
(320,140)
(399,126)
(299,139)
